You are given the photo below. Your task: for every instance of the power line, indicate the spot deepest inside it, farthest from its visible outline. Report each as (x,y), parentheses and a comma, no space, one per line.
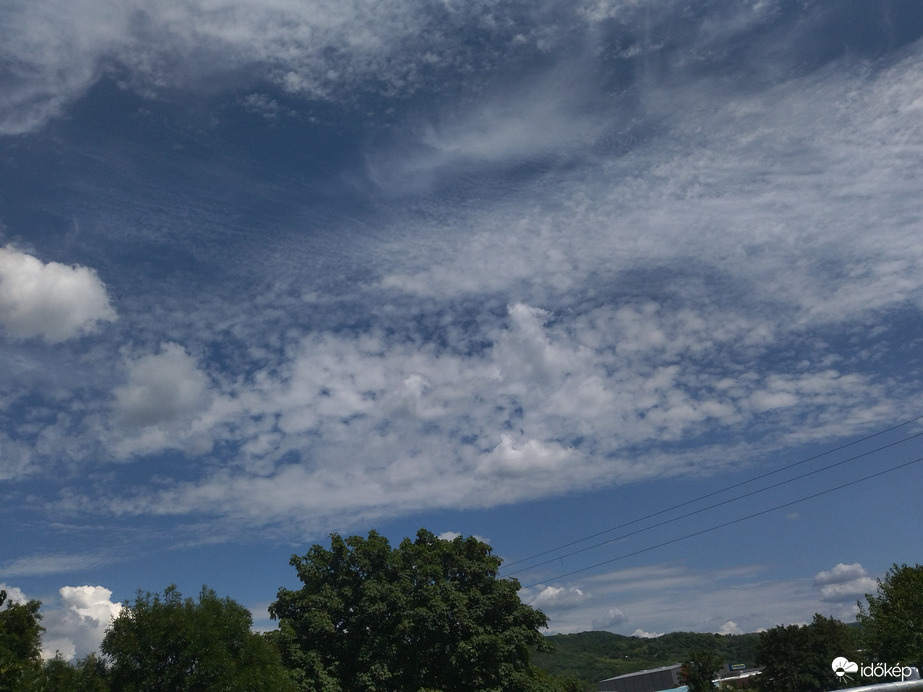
(712,494)
(727,523)
(717,504)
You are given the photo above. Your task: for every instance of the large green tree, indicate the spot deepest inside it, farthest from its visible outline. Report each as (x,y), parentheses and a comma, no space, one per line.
(20,643)
(170,643)
(698,671)
(892,625)
(798,658)
(57,675)
(430,614)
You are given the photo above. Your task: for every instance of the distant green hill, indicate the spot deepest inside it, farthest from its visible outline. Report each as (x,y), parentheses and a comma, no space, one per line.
(592,656)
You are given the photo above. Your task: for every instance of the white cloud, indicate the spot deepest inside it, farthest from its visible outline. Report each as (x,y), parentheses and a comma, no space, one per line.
(614,617)
(451,535)
(161,388)
(646,635)
(53,52)
(13,594)
(840,573)
(76,623)
(54,301)
(705,266)
(164,404)
(322,49)
(529,457)
(669,597)
(845,583)
(390,426)
(730,627)
(848,592)
(553,598)
(705,209)
(668,289)
(265,106)
(766,401)
(76,628)
(545,118)
(15,458)
(683,271)
(39,565)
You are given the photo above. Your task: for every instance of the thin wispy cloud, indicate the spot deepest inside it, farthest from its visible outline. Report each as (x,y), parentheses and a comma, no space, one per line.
(49,564)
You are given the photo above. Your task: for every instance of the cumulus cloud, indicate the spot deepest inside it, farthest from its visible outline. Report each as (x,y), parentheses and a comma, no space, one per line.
(50,300)
(452,535)
(848,592)
(164,404)
(161,388)
(76,623)
(839,574)
(76,628)
(532,456)
(13,594)
(845,583)
(730,627)
(613,617)
(554,598)
(646,635)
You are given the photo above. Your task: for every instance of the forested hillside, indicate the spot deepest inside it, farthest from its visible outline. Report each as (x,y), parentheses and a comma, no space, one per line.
(592,656)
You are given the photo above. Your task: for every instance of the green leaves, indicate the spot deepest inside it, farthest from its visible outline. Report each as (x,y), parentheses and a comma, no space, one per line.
(428,614)
(797,658)
(699,670)
(167,642)
(893,623)
(20,643)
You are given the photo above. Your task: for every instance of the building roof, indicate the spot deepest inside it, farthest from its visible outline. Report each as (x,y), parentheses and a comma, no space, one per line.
(644,672)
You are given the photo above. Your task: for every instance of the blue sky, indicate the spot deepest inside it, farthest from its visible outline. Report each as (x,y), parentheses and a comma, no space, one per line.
(522,270)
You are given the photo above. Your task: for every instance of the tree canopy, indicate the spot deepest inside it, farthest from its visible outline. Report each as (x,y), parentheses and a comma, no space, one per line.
(20,643)
(593,656)
(798,658)
(167,642)
(893,623)
(430,614)
(698,671)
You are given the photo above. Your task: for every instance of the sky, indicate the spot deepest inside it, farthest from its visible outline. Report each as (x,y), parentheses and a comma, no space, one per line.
(632,291)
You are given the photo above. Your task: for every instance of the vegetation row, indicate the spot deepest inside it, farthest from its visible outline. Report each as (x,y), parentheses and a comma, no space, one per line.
(429,616)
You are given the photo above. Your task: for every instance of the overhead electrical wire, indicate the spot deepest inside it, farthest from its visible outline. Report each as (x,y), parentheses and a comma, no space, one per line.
(725,524)
(713,506)
(712,494)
